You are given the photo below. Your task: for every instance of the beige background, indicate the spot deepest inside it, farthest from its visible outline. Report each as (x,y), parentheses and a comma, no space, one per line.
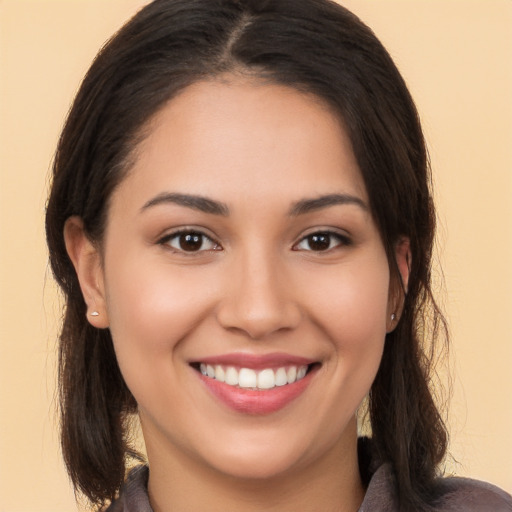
(456,56)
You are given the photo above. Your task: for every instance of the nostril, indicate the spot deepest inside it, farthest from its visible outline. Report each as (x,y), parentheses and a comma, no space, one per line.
(258,323)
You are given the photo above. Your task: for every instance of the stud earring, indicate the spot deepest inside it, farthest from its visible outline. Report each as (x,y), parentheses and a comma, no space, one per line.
(95,313)
(393,316)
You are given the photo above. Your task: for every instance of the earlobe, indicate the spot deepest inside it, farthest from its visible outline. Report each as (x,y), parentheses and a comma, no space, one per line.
(87,262)
(398,288)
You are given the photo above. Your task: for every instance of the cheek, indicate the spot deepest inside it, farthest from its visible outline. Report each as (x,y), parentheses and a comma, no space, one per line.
(352,306)
(152,308)
(352,312)
(152,303)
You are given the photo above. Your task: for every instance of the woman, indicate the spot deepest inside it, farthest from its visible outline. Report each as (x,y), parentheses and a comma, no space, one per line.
(241,221)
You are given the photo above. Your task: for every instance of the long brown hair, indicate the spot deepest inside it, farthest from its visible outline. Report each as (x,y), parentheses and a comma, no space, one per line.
(311,45)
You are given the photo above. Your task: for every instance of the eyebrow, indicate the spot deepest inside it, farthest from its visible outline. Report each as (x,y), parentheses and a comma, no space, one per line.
(213,207)
(203,204)
(310,205)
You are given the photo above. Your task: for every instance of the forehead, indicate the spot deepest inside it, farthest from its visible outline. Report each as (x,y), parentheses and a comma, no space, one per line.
(230,137)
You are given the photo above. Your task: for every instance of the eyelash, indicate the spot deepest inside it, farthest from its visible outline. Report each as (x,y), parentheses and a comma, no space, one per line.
(187,232)
(341,240)
(333,238)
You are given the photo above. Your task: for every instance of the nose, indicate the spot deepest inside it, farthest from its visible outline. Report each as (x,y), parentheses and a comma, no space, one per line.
(259,299)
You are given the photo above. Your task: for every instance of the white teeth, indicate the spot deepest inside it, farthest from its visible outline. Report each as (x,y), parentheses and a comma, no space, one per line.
(248,378)
(291,374)
(231,376)
(219,373)
(281,378)
(266,379)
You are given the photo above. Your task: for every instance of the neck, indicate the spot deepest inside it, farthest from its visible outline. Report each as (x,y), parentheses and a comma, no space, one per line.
(332,483)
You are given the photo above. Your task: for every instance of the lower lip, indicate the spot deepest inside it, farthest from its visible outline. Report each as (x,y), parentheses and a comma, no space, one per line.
(257,402)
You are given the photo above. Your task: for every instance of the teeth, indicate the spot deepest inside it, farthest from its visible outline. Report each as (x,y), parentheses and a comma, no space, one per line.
(231,377)
(291,374)
(266,379)
(219,373)
(251,379)
(281,378)
(247,378)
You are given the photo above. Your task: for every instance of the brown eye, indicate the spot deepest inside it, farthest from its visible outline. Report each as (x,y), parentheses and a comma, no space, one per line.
(190,241)
(319,241)
(322,241)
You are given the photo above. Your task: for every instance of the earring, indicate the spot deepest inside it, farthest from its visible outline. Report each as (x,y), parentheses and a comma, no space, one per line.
(95,313)
(393,316)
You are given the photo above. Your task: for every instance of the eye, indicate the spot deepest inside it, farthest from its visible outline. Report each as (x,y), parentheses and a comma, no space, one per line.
(190,241)
(321,241)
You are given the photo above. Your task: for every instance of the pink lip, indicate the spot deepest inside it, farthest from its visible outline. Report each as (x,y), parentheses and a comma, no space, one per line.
(256,402)
(256,362)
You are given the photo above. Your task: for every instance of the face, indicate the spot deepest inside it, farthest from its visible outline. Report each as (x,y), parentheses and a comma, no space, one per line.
(244,280)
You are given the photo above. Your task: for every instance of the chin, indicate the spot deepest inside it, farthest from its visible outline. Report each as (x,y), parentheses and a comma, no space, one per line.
(257,466)
(271,455)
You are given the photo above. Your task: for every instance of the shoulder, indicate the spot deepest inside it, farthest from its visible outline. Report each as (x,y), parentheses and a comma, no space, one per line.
(450,494)
(455,494)
(134,494)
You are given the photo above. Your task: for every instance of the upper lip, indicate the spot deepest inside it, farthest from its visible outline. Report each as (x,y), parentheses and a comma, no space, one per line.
(255,361)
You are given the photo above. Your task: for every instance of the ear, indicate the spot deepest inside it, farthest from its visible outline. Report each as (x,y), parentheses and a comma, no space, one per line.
(399,285)
(86,259)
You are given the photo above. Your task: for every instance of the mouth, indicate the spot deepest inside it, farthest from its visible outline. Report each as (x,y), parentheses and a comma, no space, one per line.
(248,378)
(256,385)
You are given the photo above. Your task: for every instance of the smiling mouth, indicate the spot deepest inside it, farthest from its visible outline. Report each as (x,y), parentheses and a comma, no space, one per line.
(247,378)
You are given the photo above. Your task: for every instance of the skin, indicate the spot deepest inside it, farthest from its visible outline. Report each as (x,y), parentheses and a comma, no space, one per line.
(257,285)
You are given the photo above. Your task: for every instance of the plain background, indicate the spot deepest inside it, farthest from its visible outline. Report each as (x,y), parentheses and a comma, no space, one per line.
(456,56)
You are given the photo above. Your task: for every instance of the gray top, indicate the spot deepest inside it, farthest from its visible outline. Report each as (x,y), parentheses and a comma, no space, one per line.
(454,494)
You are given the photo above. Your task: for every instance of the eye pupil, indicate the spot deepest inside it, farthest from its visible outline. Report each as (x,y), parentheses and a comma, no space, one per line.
(319,241)
(191,241)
